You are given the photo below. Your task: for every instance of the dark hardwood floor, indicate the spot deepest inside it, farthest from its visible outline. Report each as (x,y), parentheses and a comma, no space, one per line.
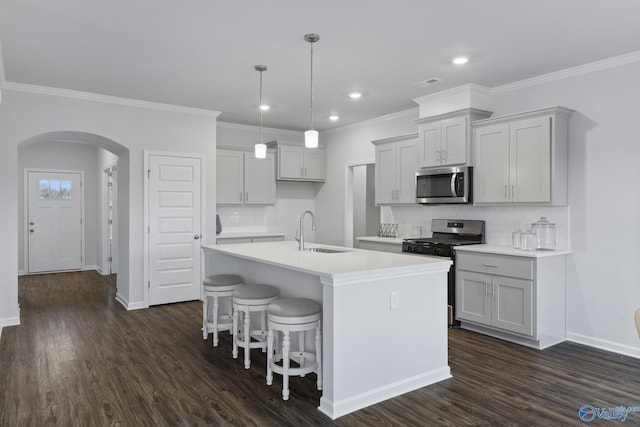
(80,359)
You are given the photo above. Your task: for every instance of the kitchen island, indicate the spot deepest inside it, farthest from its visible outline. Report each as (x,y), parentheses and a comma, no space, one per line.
(384,327)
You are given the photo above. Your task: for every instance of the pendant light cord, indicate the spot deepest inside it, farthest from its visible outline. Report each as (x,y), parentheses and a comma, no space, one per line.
(311,94)
(260,107)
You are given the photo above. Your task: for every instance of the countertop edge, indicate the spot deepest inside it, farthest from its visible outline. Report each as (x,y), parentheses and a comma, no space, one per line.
(507,250)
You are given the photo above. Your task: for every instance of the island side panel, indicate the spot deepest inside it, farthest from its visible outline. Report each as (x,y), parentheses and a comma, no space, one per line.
(374,352)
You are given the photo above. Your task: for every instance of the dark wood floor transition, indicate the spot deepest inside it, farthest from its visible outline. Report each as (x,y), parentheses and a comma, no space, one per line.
(80,359)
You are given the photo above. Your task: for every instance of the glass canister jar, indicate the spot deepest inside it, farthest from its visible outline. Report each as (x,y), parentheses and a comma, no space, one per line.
(545,232)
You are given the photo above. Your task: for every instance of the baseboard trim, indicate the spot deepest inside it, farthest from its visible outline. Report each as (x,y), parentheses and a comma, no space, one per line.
(129,305)
(21,273)
(354,403)
(604,345)
(89,267)
(9,321)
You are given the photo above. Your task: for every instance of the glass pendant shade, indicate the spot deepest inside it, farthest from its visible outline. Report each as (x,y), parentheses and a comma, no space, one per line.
(261,151)
(311,138)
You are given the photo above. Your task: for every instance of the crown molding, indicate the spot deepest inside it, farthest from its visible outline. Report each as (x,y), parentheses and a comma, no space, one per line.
(89,96)
(239,126)
(592,67)
(376,120)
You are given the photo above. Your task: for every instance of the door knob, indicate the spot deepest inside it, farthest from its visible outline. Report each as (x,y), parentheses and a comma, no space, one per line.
(196,237)
(31,230)
(31,223)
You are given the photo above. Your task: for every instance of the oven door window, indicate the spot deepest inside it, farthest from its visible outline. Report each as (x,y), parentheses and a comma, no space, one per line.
(429,186)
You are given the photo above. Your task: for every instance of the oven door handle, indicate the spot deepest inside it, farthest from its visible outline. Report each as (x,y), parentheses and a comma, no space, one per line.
(454,180)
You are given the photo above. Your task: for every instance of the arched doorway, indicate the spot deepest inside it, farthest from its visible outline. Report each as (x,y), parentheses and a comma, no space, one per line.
(93,154)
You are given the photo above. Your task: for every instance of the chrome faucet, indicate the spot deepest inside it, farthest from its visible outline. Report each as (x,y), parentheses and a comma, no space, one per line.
(313,227)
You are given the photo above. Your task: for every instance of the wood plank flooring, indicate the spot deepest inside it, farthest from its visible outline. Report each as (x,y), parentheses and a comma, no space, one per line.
(80,359)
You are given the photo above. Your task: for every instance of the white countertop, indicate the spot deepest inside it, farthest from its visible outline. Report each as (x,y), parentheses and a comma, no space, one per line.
(224,235)
(376,239)
(507,250)
(349,263)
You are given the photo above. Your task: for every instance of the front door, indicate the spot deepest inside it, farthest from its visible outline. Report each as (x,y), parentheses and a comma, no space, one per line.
(175,201)
(54,221)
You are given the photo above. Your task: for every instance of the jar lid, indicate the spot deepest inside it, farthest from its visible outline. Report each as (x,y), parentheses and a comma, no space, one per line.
(543,223)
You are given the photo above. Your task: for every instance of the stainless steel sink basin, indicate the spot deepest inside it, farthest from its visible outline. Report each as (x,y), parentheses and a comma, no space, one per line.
(325,250)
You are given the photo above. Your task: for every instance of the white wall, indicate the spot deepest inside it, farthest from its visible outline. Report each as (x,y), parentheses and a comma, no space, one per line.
(601,224)
(126,130)
(292,198)
(64,156)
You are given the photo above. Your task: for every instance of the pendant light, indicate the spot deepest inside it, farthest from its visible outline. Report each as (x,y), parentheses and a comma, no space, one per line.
(311,136)
(260,147)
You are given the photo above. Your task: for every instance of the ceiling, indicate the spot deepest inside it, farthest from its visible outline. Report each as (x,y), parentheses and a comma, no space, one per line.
(201,53)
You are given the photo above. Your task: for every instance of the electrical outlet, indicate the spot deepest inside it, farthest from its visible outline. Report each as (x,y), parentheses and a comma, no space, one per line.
(395,300)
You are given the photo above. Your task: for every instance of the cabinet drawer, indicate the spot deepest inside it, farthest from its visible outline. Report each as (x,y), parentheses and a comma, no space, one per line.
(511,266)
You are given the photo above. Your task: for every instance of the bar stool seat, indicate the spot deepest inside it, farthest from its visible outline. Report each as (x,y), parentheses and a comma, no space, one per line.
(293,315)
(215,288)
(246,300)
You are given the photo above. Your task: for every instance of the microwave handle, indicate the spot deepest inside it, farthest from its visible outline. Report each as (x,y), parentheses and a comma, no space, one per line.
(454,181)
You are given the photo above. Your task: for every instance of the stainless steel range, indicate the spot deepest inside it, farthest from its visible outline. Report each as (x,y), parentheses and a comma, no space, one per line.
(447,233)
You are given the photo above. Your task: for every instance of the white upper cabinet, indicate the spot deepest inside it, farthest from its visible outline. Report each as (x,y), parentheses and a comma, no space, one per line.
(395,176)
(445,140)
(242,179)
(522,158)
(297,163)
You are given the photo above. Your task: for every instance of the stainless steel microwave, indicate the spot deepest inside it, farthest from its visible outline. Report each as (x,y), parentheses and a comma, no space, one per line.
(444,185)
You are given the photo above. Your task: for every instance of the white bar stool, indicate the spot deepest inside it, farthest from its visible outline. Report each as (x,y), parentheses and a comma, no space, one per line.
(217,287)
(251,299)
(293,315)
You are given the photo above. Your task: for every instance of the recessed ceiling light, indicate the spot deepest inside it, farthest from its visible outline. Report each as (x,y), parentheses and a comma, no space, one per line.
(355,95)
(264,107)
(334,117)
(460,60)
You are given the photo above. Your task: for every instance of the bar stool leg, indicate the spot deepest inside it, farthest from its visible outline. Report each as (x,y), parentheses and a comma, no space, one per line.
(319,355)
(234,352)
(263,326)
(269,356)
(247,339)
(286,344)
(205,316)
(302,360)
(215,320)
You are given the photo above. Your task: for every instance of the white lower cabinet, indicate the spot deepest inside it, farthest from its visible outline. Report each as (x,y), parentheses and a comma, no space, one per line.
(249,239)
(518,298)
(395,248)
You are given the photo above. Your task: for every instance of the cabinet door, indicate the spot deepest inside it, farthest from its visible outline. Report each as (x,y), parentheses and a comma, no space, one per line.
(385,173)
(229,177)
(314,163)
(259,180)
(491,171)
(454,141)
(406,172)
(290,162)
(530,158)
(429,144)
(513,304)
(473,301)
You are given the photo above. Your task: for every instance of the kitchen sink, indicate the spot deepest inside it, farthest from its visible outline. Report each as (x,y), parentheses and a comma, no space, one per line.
(325,250)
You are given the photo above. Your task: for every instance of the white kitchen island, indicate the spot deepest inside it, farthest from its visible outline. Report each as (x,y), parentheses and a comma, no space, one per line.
(384,316)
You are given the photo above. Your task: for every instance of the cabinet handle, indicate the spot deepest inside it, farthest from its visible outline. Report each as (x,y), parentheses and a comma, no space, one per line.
(246,197)
(506,197)
(486,289)
(305,171)
(490,265)
(438,156)
(512,193)
(443,156)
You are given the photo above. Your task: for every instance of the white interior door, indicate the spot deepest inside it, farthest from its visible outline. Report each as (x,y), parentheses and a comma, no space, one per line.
(54,221)
(175,199)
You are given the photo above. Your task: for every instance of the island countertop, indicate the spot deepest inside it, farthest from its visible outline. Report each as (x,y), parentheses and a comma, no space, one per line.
(384,328)
(350,261)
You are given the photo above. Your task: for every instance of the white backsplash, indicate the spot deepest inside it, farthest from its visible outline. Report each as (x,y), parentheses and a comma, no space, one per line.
(500,222)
